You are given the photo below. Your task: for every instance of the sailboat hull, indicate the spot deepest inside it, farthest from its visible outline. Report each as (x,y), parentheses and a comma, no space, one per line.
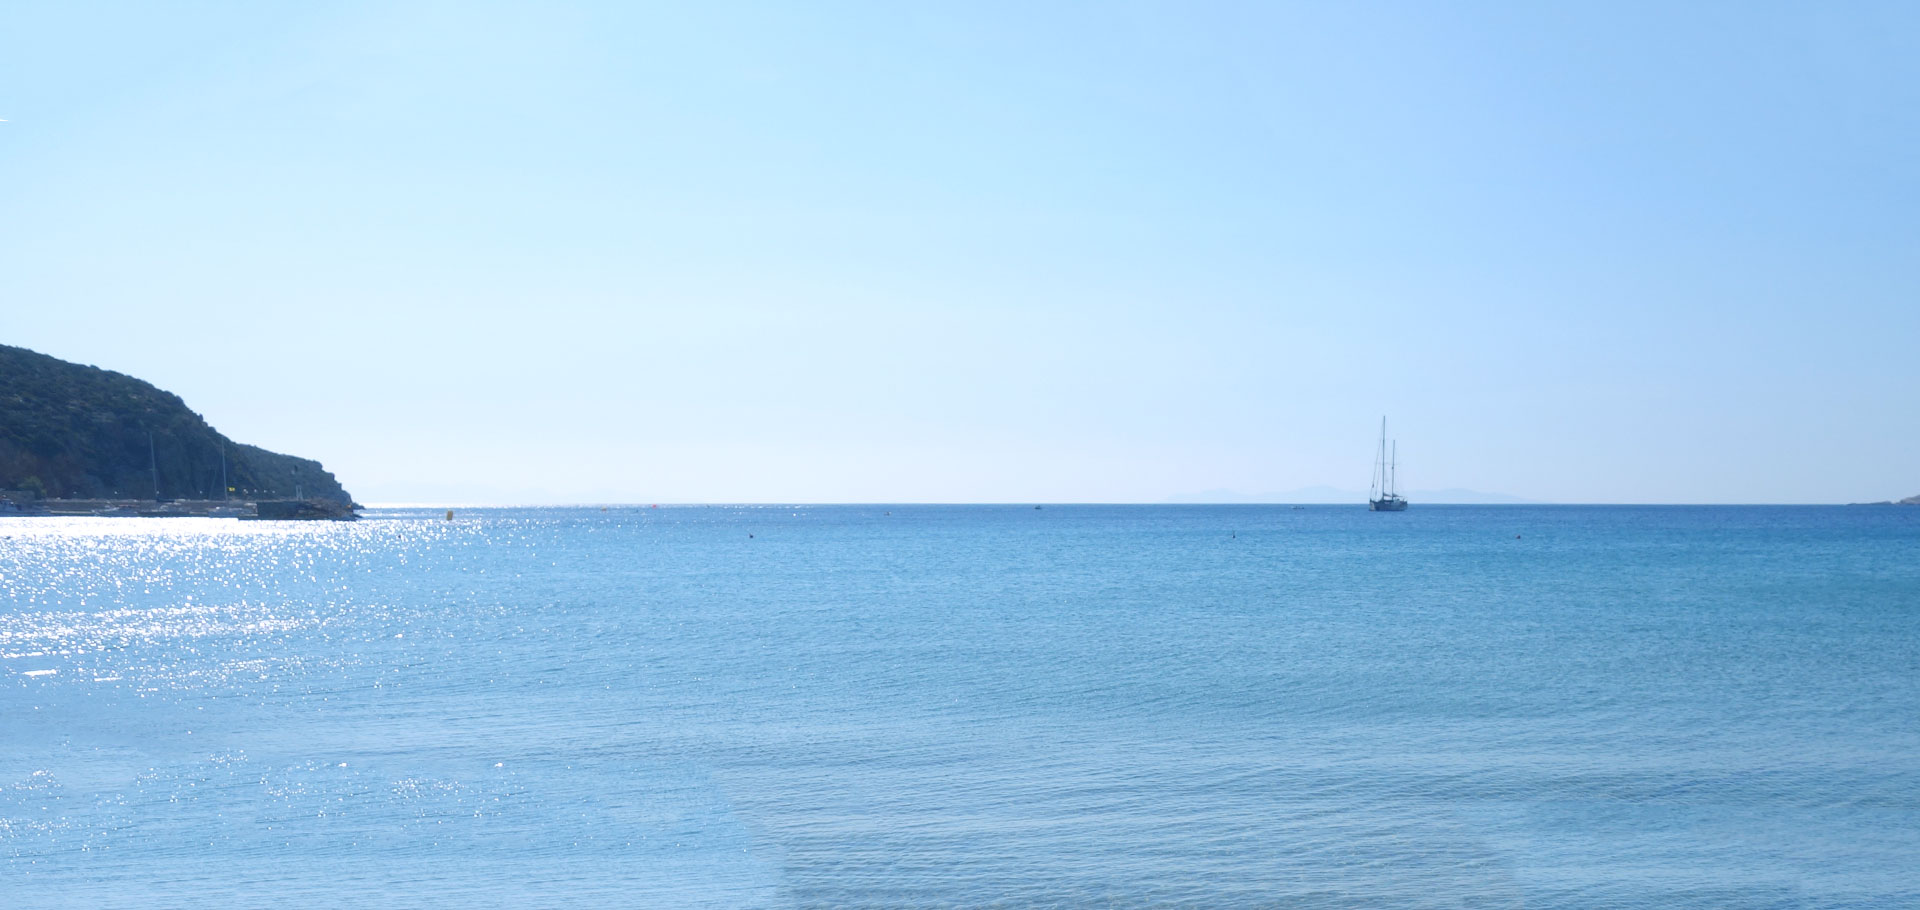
(1387,505)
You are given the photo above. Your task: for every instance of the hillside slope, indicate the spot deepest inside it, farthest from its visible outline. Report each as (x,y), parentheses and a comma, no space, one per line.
(74,431)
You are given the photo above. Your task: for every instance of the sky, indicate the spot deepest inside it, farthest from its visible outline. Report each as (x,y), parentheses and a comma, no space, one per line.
(988,252)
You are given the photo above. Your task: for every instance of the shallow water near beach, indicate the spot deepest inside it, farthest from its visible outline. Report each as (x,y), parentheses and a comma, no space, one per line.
(901,706)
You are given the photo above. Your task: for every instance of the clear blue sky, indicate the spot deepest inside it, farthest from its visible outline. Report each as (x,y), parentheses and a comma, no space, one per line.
(1604,252)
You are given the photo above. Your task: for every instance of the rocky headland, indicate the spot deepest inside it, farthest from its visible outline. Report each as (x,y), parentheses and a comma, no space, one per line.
(74,432)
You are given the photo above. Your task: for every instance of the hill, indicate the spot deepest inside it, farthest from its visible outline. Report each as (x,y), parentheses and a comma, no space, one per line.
(74,431)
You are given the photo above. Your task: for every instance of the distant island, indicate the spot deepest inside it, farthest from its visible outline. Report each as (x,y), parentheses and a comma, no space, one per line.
(1909,501)
(74,432)
(1334,495)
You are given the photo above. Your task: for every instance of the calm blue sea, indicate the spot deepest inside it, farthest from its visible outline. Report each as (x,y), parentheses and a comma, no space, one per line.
(918,706)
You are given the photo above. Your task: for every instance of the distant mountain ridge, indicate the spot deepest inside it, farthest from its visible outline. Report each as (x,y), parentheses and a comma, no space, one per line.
(1324,494)
(73,431)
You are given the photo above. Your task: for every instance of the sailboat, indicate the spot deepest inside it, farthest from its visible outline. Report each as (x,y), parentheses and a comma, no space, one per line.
(226,508)
(1384,493)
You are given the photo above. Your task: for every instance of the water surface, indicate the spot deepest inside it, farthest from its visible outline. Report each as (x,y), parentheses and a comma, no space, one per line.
(888,706)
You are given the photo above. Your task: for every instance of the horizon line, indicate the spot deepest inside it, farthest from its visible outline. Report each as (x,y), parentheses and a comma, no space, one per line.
(1029,503)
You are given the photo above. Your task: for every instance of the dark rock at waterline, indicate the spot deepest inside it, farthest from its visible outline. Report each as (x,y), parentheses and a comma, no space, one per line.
(303,510)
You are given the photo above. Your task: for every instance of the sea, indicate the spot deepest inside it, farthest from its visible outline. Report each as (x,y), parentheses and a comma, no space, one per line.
(965,706)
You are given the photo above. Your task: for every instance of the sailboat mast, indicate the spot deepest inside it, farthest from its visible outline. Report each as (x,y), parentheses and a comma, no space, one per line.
(1373,480)
(1393,486)
(153,462)
(1383,457)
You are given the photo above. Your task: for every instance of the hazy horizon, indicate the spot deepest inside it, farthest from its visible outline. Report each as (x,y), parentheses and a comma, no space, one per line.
(1613,253)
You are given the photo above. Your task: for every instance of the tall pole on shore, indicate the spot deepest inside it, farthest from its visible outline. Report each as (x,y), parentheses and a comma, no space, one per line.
(153,461)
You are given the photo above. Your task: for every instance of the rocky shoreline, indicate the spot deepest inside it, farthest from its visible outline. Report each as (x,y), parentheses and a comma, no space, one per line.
(14,503)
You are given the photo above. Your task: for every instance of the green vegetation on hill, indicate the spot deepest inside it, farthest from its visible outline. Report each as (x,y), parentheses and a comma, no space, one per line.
(74,431)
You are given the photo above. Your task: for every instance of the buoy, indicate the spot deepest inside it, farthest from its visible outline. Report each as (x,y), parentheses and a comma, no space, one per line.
(449,514)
